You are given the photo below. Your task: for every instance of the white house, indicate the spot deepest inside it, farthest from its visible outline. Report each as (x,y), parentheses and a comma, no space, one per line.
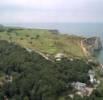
(59,56)
(92,76)
(29,50)
(9,78)
(101,65)
(79,86)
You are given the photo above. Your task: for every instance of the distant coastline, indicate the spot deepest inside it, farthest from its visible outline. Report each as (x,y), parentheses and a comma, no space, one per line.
(88,29)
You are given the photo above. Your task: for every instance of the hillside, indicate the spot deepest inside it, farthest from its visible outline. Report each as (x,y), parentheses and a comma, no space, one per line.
(25,74)
(28,76)
(44,40)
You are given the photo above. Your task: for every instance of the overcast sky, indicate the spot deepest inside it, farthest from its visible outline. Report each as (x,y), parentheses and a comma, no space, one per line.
(31,11)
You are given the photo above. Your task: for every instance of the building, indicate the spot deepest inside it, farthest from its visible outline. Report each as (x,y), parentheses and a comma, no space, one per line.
(29,50)
(79,86)
(59,56)
(9,78)
(92,76)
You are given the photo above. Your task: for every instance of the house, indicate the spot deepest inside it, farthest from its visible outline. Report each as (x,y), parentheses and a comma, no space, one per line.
(29,50)
(58,59)
(79,86)
(71,96)
(101,65)
(92,76)
(59,56)
(71,59)
(9,78)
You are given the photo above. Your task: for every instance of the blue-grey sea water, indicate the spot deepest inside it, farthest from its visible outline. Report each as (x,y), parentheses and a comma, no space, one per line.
(82,29)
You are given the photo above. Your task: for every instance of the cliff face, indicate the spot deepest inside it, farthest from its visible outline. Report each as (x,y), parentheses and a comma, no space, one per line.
(93,44)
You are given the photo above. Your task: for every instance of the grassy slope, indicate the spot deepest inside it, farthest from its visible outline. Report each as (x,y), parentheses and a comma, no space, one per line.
(46,42)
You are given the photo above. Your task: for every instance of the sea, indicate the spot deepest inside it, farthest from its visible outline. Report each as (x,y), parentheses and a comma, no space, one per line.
(80,29)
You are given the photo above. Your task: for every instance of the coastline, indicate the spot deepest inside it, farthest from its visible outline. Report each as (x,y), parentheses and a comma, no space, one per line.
(68,32)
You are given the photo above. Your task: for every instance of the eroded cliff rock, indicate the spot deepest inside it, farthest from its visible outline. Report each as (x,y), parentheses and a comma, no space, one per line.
(92,44)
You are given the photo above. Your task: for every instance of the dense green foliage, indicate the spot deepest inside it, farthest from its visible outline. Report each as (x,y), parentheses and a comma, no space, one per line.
(34,77)
(2,28)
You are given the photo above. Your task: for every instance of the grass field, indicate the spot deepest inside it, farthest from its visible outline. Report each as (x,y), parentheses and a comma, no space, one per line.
(45,41)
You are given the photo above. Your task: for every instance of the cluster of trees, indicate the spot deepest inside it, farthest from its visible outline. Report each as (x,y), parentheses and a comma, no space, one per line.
(9,29)
(2,28)
(35,78)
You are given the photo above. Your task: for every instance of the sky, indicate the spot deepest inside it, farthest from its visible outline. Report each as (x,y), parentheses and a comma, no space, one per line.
(34,11)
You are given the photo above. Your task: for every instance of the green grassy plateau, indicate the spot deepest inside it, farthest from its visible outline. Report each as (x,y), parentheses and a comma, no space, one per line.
(45,41)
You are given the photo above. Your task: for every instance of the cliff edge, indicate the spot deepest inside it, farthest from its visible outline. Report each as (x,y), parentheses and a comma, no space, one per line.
(92,44)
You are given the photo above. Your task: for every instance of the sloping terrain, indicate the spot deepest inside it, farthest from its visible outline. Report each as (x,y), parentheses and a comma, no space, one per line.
(26,75)
(45,41)
(29,76)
